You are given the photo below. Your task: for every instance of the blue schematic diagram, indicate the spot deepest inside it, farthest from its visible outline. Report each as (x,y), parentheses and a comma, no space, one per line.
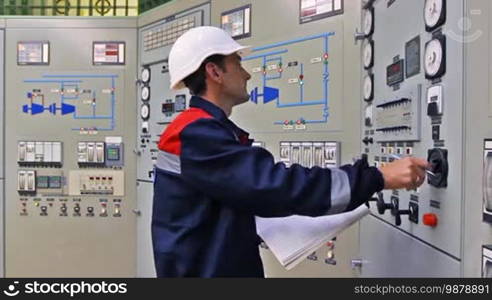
(274,60)
(72,94)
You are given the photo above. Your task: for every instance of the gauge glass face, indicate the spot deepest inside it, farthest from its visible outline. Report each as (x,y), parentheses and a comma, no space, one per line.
(368,22)
(145,75)
(367,54)
(367,88)
(433,57)
(145,93)
(432,12)
(144,111)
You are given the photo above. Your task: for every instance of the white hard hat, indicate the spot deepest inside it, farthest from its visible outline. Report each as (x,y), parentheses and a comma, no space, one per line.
(194,46)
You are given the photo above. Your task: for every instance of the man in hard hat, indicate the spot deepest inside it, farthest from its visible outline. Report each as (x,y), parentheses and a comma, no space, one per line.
(210,183)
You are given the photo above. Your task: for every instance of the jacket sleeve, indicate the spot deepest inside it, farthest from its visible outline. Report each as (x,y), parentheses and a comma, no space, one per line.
(247,178)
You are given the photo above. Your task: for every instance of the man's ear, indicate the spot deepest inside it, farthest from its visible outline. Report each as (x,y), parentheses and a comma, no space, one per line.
(213,72)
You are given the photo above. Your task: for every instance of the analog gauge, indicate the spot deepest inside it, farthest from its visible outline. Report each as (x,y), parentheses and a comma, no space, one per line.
(368,54)
(368,88)
(434,14)
(368,21)
(145,111)
(435,57)
(145,94)
(145,76)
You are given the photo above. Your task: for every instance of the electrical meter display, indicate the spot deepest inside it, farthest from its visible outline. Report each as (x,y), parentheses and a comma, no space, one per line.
(145,76)
(33,53)
(394,73)
(368,21)
(42,182)
(368,54)
(55,182)
(434,14)
(145,94)
(435,57)
(145,111)
(168,108)
(113,154)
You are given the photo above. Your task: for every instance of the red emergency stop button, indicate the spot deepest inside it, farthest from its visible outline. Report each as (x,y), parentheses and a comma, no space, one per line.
(429,219)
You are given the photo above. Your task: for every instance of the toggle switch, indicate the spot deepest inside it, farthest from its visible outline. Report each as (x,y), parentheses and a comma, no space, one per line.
(76,210)
(117,210)
(44,211)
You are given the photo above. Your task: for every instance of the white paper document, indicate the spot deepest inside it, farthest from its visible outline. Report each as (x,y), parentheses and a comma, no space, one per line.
(292,239)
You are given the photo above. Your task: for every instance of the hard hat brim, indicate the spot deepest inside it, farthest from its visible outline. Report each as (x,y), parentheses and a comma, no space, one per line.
(241,51)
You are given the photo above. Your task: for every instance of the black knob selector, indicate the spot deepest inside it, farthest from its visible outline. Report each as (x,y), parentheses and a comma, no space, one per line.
(381,205)
(396,212)
(438,158)
(368,140)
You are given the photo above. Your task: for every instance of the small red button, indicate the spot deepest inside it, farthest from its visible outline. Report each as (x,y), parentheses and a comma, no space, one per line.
(429,219)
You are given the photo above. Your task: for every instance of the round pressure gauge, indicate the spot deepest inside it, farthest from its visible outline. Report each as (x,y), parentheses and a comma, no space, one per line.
(435,57)
(145,94)
(145,76)
(368,54)
(145,111)
(368,89)
(434,14)
(368,21)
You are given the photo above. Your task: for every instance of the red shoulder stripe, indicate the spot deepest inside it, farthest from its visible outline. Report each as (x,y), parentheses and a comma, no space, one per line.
(170,138)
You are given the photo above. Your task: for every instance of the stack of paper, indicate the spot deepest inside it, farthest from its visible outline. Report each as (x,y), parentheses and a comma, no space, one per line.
(292,239)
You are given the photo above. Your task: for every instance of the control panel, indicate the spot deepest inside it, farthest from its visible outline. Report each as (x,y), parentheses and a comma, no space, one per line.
(69,184)
(412,86)
(158,105)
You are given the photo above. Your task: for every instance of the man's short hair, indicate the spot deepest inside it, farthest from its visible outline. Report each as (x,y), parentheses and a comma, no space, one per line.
(196,81)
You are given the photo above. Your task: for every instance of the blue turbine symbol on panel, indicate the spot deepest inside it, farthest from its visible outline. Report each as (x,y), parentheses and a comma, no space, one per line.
(269,94)
(35,108)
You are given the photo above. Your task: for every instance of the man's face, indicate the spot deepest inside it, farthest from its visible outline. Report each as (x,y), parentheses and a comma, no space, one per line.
(235,80)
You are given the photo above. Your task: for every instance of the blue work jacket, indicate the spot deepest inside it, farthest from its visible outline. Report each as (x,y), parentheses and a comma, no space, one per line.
(210,183)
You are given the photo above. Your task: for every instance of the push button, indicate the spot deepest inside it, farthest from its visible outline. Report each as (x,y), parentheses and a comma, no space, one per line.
(429,219)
